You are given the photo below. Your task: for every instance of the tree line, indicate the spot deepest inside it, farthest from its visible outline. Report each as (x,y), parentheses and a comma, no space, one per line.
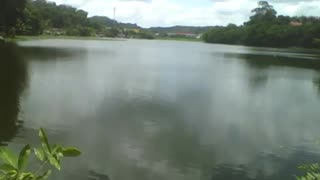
(267,29)
(37,17)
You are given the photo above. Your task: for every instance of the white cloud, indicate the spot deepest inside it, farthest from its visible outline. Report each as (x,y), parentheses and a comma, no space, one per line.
(148,13)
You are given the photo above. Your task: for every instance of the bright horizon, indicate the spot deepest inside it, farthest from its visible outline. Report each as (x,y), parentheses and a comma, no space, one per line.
(164,13)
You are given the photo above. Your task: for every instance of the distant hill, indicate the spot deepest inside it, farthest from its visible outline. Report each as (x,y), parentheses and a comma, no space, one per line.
(111,23)
(180,29)
(103,20)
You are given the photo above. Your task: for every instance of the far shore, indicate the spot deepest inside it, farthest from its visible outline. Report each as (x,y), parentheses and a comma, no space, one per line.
(43,37)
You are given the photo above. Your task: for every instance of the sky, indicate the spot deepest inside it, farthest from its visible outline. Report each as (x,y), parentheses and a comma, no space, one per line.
(153,13)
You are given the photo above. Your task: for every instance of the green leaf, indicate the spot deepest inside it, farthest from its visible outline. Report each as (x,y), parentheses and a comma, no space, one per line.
(310,176)
(24,157)
(12,174)
(39,153)
(54,161)
(44,176)
(26,176)
(6,167)
(8,157)
(44,140)
(57,150)
(71,152)
(2,177)
(59,155)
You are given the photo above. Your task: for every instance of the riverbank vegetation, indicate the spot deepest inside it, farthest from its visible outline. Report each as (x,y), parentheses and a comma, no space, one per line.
(41,17)
(47,19)
(267,29)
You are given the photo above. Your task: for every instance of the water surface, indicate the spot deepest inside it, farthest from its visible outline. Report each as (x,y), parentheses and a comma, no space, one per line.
(164,110)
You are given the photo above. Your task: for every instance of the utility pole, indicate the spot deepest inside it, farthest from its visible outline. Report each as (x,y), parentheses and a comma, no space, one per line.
(114,15)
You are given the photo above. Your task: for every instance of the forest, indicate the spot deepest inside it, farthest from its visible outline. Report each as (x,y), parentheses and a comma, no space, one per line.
(266,29)
(37,17)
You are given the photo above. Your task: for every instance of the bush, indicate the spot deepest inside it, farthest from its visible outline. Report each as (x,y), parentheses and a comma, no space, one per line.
(80,31)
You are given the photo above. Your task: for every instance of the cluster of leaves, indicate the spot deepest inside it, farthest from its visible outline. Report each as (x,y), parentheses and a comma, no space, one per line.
(312,172)
(265,28)
(15,167)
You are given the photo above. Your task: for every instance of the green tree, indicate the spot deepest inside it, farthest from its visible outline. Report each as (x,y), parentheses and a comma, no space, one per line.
(264,8)
(10,12)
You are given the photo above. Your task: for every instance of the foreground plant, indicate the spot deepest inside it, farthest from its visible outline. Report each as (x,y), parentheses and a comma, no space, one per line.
(312,172)
(15,167)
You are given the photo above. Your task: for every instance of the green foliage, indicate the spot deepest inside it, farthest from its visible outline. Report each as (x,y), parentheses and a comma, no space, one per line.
(36,17)
(312,172)
(10,12)
(231,34)
(80,31)
(15,167)
(111,32)
(264,12)
(316,42)
(141,34)
(100,22)
(267,29)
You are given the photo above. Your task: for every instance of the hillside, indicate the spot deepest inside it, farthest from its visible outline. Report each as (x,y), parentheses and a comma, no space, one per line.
(103,20)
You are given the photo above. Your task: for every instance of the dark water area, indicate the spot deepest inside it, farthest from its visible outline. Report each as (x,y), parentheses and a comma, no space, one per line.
(164,110)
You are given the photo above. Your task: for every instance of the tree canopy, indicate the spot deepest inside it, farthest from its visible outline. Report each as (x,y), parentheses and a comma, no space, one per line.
(10,12)
(36,17)
(265,28)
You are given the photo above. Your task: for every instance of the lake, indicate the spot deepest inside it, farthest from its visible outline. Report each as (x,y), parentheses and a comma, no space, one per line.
(164,110)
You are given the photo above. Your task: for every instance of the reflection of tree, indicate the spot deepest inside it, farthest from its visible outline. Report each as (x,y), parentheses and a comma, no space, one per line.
(259,64)
(259,61)
(316,82)
(12,83)
(49,53)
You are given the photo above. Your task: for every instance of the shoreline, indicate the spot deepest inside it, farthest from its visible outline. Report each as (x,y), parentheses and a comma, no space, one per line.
(44,37)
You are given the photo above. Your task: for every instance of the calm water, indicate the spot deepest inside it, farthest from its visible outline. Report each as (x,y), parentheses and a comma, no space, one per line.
(162,110)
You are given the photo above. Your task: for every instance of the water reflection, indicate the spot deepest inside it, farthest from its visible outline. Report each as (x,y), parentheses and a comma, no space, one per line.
(13,79)
(169,110)
(261,61)
(50,53)
(316,82)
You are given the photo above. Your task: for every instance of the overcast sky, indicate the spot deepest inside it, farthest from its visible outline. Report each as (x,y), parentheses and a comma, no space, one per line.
(148,13)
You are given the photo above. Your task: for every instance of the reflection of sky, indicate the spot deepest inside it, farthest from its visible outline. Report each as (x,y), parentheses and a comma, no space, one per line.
(173,110)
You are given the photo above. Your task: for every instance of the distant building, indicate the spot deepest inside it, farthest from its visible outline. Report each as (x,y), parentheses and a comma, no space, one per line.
(199,36)
(296,23)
